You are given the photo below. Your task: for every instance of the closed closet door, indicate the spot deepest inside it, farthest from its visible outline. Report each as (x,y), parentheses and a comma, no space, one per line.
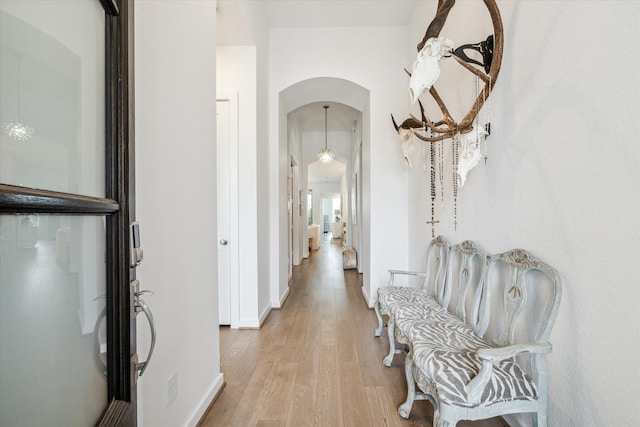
(224,204)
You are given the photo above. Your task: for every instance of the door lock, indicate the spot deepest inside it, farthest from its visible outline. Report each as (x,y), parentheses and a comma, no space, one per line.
(136,250)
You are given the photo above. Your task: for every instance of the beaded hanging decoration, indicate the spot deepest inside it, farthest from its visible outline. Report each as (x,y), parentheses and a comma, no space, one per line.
(441,173)
(455,147)
(487,122)
(424,168)
(432,186)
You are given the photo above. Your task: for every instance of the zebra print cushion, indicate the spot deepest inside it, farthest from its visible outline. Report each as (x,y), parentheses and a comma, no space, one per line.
(393,296)
(424,312)
(449,371)
(445,356)
(421,311)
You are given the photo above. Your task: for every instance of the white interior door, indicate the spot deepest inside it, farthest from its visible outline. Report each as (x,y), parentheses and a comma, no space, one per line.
(223,238)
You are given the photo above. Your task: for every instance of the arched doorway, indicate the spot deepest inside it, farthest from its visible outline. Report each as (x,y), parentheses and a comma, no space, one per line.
(306,94)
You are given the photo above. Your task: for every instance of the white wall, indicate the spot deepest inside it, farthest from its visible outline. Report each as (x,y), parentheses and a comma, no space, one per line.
(176,204)
(562,181)
(351,54)
(236,75)
(255,16)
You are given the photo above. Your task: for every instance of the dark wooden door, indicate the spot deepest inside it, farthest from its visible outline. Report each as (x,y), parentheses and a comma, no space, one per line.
(67,315)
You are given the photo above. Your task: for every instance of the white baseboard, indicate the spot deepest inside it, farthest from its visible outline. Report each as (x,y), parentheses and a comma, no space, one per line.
(206,402)
(366,298)
(283,298)
(254,323)
(249,324)
(264,316)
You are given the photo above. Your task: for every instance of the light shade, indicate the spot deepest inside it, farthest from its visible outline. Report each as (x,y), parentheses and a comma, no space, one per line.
(18,130)
(326,154)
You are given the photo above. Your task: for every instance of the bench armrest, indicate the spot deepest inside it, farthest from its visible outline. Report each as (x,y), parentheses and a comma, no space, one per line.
(392,274)
(509,351)
(489,356)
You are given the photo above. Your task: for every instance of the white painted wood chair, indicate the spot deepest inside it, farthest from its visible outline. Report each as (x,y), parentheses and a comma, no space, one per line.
(431,292)
(467,377)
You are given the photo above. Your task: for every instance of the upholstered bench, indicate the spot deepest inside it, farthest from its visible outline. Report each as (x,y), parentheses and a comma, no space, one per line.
(487,357)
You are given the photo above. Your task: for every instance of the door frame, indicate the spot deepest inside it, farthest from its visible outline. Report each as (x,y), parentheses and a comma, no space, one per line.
(118,208)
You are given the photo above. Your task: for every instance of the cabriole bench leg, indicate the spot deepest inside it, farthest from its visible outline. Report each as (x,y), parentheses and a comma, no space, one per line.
(378,331)
(405,409)
(391,330)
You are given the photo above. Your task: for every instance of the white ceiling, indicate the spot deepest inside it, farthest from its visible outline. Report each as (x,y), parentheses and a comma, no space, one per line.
(340,117)
(232,28)
(338,13)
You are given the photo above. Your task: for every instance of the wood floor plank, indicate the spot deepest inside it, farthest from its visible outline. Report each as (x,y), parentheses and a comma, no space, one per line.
(271,423)
(302,408)
(240,373)
(278,397)
(221,413)
(253,399)
(355,408)
(308,364)
(329,332)
(328,407)
(295,336)
(381,407)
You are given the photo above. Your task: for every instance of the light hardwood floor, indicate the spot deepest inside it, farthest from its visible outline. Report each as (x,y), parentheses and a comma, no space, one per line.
(316,361)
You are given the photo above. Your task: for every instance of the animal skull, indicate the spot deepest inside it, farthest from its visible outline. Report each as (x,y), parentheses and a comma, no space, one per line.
(426,69)
(469,152)
(406,131)
(407,145)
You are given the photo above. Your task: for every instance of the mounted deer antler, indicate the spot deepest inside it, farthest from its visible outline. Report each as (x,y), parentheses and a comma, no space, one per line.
(491,50)
(434,28)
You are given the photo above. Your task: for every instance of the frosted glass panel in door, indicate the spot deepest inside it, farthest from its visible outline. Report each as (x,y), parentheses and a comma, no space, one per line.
(52,329)
(52,83)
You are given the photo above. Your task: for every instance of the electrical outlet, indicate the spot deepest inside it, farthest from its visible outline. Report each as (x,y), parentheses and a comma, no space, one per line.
(172,389)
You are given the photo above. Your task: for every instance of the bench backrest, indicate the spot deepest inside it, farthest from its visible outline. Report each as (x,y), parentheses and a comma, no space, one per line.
(436,268)
(524,295)
(463,292)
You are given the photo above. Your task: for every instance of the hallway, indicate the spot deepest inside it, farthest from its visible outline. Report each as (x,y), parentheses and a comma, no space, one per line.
(316,361)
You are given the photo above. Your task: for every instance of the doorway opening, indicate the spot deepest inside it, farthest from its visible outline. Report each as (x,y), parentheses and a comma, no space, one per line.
(305,132)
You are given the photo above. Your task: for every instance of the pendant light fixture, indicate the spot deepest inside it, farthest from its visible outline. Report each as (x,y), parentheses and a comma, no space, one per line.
(16,128)
(326,154)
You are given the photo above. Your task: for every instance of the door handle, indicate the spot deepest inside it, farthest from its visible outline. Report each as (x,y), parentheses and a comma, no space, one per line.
(142,306)
(98,355)
(224,242)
